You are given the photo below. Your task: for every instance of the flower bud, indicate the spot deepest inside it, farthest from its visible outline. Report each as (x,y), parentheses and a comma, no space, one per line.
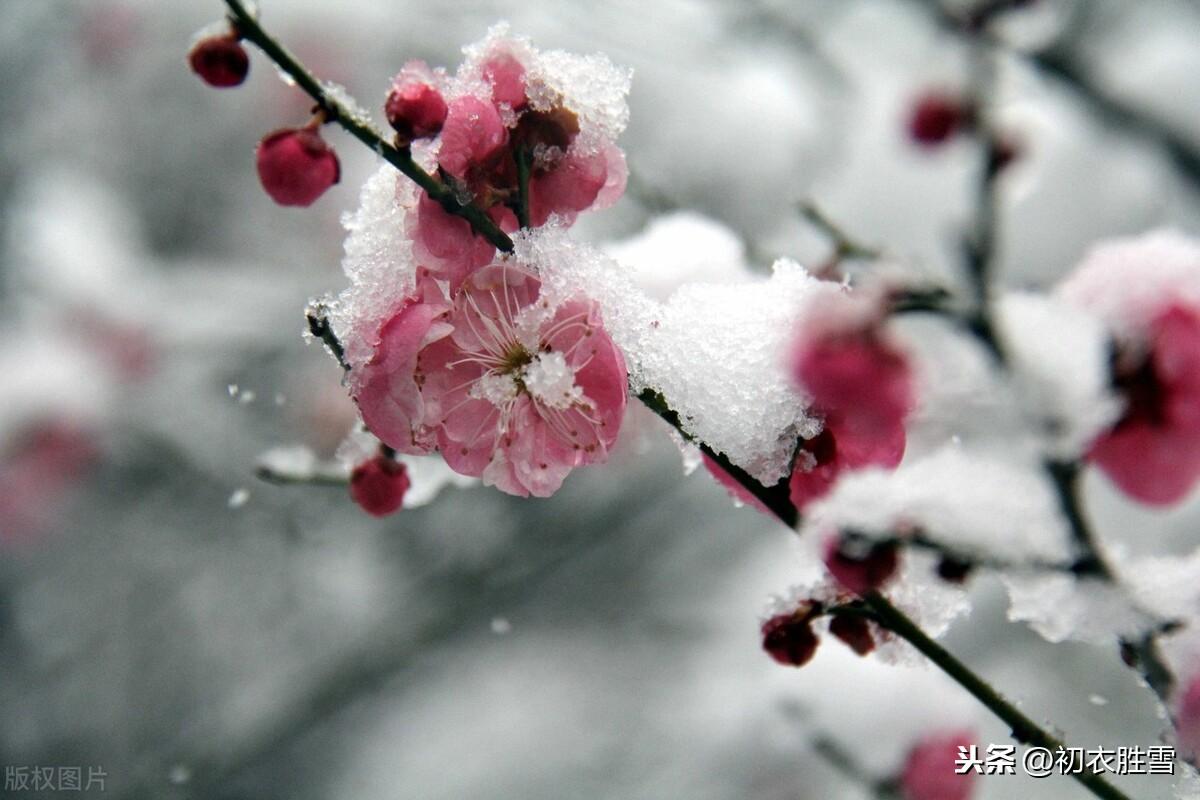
(789,639)
(936,117)
(861,566)
(296,166)
(220,61)
(414,107)
(379,485)
(854,630)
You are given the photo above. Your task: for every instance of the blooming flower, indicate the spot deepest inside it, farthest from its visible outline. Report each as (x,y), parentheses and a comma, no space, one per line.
(862,383)
(1147,290)
(861,566)
(929,770)
(506,386)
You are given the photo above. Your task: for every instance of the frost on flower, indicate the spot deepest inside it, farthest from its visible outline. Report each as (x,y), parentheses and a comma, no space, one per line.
(970,502)
(378,262)
(1147,291)
(511,108)
(715,351)
(862,384)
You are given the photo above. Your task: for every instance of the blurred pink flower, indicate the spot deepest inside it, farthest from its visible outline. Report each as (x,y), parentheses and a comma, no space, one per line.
(1146,289)
(521,393)
(1187,721)
(506,387)
(386,389)
(472,136)
(1153,452)
(37,473)
(861,567)
(929,770)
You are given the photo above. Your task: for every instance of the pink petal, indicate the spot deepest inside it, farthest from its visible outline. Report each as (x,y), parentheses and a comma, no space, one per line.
(472,133)
(859,377)
(387,393)
(507,76)
(929,770)
(570,187)
(446,245)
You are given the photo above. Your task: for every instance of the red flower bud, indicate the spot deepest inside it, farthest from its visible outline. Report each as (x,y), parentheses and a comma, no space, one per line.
(220,61)
(789,639)
(379,485)
(296,166)
(415,109)
(861,566)
(936,117)
(854,630)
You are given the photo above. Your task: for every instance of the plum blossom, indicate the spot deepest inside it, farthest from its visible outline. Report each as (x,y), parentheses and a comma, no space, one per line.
(929,771)
(861,382)
(1187,720)
(510,107)
(505,385)
(1147,291)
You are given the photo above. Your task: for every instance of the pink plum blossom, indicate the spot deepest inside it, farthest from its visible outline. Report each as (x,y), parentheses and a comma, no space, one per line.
(505,72)
(386,388)
(863,385)
(1187,721)
(508,387)
(37,472)
(929,769)
(1147,290)
(520,392)
(1153,452)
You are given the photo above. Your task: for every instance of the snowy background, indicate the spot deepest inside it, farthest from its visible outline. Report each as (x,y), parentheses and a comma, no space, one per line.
(201,634)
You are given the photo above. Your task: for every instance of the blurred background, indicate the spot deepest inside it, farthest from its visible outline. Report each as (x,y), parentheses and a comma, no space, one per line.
(197,633)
